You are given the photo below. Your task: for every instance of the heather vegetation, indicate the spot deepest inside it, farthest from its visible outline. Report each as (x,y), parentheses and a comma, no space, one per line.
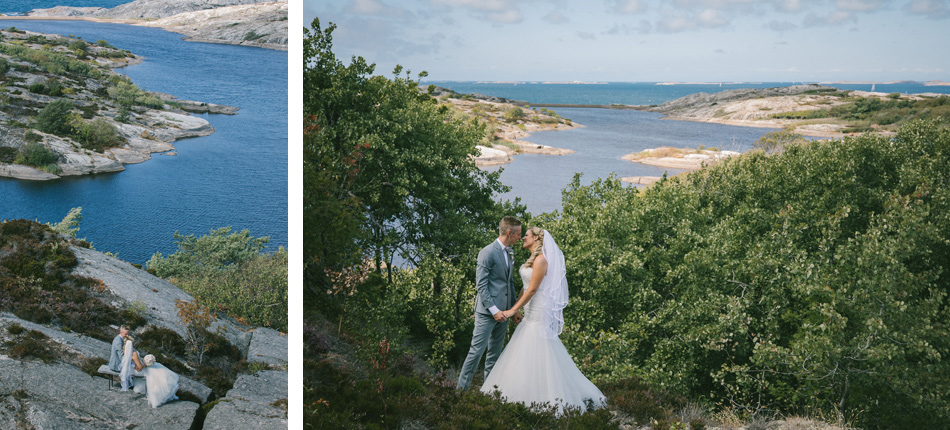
(37,284)
(806,280)
(870,113)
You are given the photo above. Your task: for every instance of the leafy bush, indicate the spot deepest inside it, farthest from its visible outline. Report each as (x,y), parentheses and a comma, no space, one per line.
(8,154)
(514,113)
(96,135)
(795,281)
(36,155)
(54,118)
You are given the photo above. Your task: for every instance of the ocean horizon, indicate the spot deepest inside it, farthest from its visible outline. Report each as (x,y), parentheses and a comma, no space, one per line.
(19,7)
(648,93)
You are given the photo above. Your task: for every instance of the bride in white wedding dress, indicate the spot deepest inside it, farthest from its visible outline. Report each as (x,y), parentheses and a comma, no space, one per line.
(535,366)
(160,383)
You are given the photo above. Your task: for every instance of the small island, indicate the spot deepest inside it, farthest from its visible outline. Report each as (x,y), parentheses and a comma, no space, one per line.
(63,111)
(811,110)
(507,122)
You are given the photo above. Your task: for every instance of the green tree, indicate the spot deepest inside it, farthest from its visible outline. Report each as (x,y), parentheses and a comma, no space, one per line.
(810,279)
(36,155)
(214,251)
(387,171)
(54,117)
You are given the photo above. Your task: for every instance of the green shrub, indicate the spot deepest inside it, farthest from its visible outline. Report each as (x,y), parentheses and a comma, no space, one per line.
(96,135)
(54,117)
(36,155)
(8,154)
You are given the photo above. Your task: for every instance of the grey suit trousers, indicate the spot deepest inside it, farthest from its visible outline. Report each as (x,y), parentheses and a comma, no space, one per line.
(488,333)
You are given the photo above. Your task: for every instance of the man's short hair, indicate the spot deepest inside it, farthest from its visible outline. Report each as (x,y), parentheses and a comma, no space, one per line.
(124,327)
(507,224)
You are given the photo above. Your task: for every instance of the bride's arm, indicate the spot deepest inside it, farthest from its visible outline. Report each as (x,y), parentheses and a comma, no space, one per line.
(539,269)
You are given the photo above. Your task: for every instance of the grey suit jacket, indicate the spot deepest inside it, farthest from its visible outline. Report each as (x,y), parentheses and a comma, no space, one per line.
(493,280)
(115,356)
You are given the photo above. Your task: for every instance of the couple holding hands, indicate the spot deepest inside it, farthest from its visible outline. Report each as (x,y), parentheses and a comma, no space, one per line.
(535,366)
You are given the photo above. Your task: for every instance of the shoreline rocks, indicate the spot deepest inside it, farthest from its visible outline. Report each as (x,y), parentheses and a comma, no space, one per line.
(254,23)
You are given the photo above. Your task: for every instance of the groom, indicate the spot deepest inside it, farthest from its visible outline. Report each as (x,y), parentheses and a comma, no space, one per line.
(115,355)
(495,294)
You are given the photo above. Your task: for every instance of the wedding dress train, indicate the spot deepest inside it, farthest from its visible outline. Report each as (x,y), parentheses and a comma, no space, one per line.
(535,366)
(160,383)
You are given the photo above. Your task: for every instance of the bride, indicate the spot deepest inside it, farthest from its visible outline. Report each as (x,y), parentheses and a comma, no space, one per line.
(160,385)
(535,367)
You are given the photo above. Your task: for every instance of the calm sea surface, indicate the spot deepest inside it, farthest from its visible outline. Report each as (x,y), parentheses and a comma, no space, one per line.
(610,134)
(8,7)
(235,177)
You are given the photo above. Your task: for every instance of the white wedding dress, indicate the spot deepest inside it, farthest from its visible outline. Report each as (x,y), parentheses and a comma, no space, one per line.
(160,383)
(535,366)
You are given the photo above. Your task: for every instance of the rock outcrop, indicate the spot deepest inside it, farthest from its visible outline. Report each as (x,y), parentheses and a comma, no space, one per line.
(59,395)
(35,77)
(255,402)
(259,23)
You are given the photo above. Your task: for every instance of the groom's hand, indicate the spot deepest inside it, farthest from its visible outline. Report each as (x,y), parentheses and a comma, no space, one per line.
(500,316)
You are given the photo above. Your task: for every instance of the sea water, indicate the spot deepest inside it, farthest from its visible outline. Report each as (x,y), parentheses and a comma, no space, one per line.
(235,177)
(19,7)
(610,134)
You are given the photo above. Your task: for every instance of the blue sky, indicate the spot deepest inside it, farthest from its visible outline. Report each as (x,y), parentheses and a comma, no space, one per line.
(645,41)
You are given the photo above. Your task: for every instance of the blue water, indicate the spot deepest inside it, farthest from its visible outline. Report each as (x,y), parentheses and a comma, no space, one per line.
(21,6)
(235,177)
(642,93)
(607,136)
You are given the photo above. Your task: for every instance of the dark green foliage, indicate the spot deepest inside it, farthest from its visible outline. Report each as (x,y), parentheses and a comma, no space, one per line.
(8,154)
(38,88)
(54,118)
(215,379)
(230,273)
(161,339)
(96,135)
(15,329)
(104,44)
(387,173)
(187,396)
(813,279)
(32,137)
(36,283)
(640,400)
(4,67)
(36,155)
(31,344)
(90,366)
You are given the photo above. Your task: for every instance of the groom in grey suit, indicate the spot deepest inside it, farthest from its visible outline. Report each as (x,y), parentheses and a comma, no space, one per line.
(496,293)
(115,354)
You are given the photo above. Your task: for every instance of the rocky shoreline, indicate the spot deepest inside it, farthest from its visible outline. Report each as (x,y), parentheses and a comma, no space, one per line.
(107,122)
(507,130)
(254,23)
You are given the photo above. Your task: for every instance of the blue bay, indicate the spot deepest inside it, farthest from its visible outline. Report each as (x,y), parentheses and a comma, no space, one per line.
(234,177)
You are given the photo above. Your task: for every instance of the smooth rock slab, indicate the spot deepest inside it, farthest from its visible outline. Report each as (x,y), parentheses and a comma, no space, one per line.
(59,396)
(249,405)
(268,346)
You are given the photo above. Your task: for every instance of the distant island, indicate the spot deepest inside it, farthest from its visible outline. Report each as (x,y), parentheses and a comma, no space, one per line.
(811,110)
(63,111)
(236,22)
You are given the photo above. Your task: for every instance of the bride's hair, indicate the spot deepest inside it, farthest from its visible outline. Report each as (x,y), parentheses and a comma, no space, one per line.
(538,232)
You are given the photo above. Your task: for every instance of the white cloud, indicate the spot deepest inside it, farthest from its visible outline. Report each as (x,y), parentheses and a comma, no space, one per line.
(833,18)
(710,18)
(935,9)
(556,18)
(510,16)
(860,5)
(628,6)
(719,51)
(586,35)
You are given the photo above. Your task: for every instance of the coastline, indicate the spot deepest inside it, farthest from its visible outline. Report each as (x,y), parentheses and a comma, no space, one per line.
(147,130)
(191,34)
